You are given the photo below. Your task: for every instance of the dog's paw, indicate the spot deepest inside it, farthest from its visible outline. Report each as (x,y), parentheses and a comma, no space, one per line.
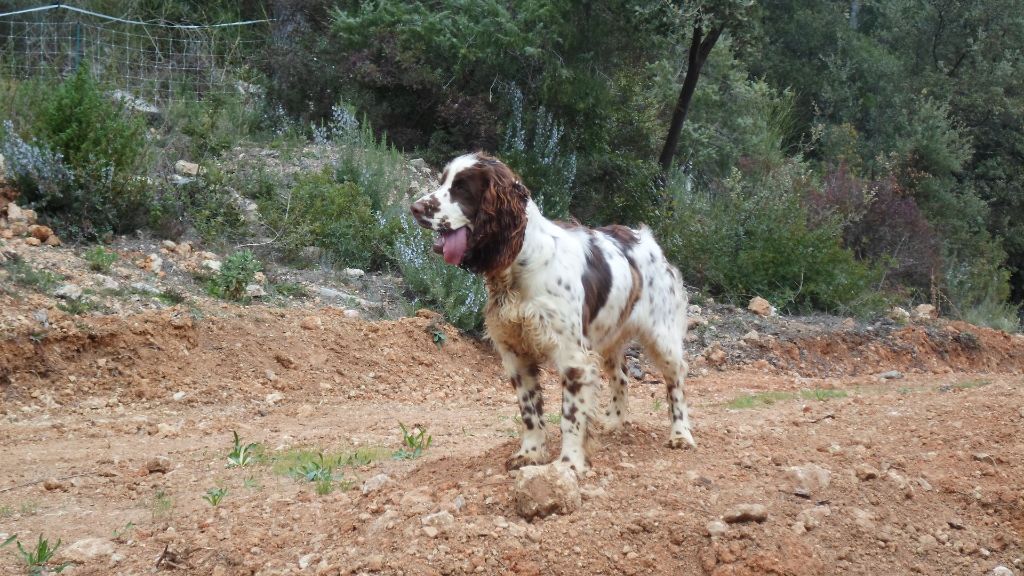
(681,439)
(520,459)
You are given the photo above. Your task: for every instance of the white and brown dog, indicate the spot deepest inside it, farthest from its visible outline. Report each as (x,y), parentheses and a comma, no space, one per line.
(561,293)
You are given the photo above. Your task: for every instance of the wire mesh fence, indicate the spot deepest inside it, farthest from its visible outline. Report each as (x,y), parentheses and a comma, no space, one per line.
(152,61)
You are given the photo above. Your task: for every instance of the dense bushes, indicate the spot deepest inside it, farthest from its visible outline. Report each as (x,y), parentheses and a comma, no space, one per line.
(753,236)
(81,160)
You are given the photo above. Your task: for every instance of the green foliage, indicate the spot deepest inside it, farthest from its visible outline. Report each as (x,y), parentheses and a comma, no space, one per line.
(37,559)
(414,442)
(81,161)
(237,271)
(243,455)
(162,505)
(100,259)
(215,495)
(457,294)
(751,237)
(24,274)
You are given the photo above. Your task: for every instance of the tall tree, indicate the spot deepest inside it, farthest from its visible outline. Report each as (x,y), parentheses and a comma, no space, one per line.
(710,20)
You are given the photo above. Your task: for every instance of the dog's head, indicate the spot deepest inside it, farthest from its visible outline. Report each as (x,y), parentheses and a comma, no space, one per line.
(479,212)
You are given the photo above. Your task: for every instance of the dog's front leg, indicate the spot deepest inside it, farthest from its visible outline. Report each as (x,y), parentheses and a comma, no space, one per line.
(523,373)
(580,382)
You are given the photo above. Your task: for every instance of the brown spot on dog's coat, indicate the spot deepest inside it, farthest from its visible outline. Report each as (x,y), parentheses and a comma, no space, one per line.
(597,283)
(622,236)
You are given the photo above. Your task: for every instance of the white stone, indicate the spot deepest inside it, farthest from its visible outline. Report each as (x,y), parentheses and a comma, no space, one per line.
(375,483)
(69,292)
(88,549)
(544,490)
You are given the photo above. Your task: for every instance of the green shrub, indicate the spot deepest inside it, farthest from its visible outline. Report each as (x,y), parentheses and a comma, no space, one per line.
(752,237)
(100,259)
(83,160)
(236,272)
(457,294)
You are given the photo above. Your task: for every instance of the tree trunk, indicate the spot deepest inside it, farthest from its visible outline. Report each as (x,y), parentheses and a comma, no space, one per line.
(700,47)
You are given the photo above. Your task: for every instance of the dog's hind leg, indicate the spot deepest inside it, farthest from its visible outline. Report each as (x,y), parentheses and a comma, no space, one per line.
(667,354)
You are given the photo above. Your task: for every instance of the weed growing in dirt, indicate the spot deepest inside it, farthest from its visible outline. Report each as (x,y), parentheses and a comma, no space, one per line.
(123,533)
(6,512)
(822,394)
(237,272)
(414,442)
(80,307)
(100,259)
(759,400)
(252,483)
(553,418)
(437,335)
(28,508)
(243,455)
(162,505)
(965,385)
(289,290)
(658,405)
(215,495)
(170,297)
(322,472)
(23,274)
(37,559)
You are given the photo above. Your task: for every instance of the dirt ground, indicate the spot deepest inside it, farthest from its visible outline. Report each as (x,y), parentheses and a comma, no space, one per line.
(114,426)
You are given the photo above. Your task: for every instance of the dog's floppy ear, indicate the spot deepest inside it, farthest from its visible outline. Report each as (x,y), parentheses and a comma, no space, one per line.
(500,223)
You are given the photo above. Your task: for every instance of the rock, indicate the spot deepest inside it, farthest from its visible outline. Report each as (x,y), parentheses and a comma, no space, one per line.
(331,294)
(312,323)
(255,291)
(694,322)
(899,315)
(761,307)
(1001,571)
(430,531)
(925,311)
(350,313)
(179,396)
(442,519)
(169,245)
(41,316)
(53,241)
(161,464)
(694,309)
(715,356)
(87,550)
(865,472)
(54,484)
(33,241)
(354,272)
(717,528)
(808,479)
(751,336)
(154,263)
(544,490)
(746,513)
(259,278)
(212,265)
(891,375)
(810,518)
(69,292)
(375,483)
(418,163)
(274,398)
(40,232)
(864,519)
(186,168)
(184,249)
(306,560)
(16,214)
(144,288)
(132,102)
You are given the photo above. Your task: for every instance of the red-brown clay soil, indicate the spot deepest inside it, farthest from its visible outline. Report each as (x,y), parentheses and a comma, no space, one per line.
(927,472)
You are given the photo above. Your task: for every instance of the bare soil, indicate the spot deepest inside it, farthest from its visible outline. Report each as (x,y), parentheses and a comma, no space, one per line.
(927,469)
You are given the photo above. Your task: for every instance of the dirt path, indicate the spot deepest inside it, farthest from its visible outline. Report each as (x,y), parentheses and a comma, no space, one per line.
(133,418)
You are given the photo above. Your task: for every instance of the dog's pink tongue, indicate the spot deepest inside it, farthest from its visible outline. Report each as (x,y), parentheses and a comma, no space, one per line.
(455,245)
